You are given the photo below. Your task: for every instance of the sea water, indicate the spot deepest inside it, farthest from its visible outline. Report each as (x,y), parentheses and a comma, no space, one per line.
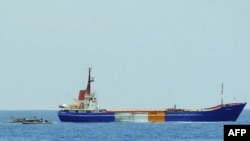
(114,131)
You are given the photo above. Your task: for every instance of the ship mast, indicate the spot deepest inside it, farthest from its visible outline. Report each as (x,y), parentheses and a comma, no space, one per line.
(89,81)
(90,100)
(222,94)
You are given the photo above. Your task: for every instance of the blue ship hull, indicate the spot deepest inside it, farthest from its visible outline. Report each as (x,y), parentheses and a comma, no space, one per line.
(72,116)
(227,112)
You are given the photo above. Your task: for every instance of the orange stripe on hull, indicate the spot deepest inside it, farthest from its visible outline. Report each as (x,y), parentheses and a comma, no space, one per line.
(156,116)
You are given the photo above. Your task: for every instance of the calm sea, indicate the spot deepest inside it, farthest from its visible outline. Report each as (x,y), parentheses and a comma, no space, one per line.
(59,131)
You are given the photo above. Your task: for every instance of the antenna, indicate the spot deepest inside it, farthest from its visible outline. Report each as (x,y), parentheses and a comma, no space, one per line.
(222,94)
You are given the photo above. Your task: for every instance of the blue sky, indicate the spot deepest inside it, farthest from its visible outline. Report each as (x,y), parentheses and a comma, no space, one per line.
(144,53)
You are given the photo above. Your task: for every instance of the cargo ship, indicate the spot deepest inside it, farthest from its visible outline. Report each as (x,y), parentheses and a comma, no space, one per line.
(86,109)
